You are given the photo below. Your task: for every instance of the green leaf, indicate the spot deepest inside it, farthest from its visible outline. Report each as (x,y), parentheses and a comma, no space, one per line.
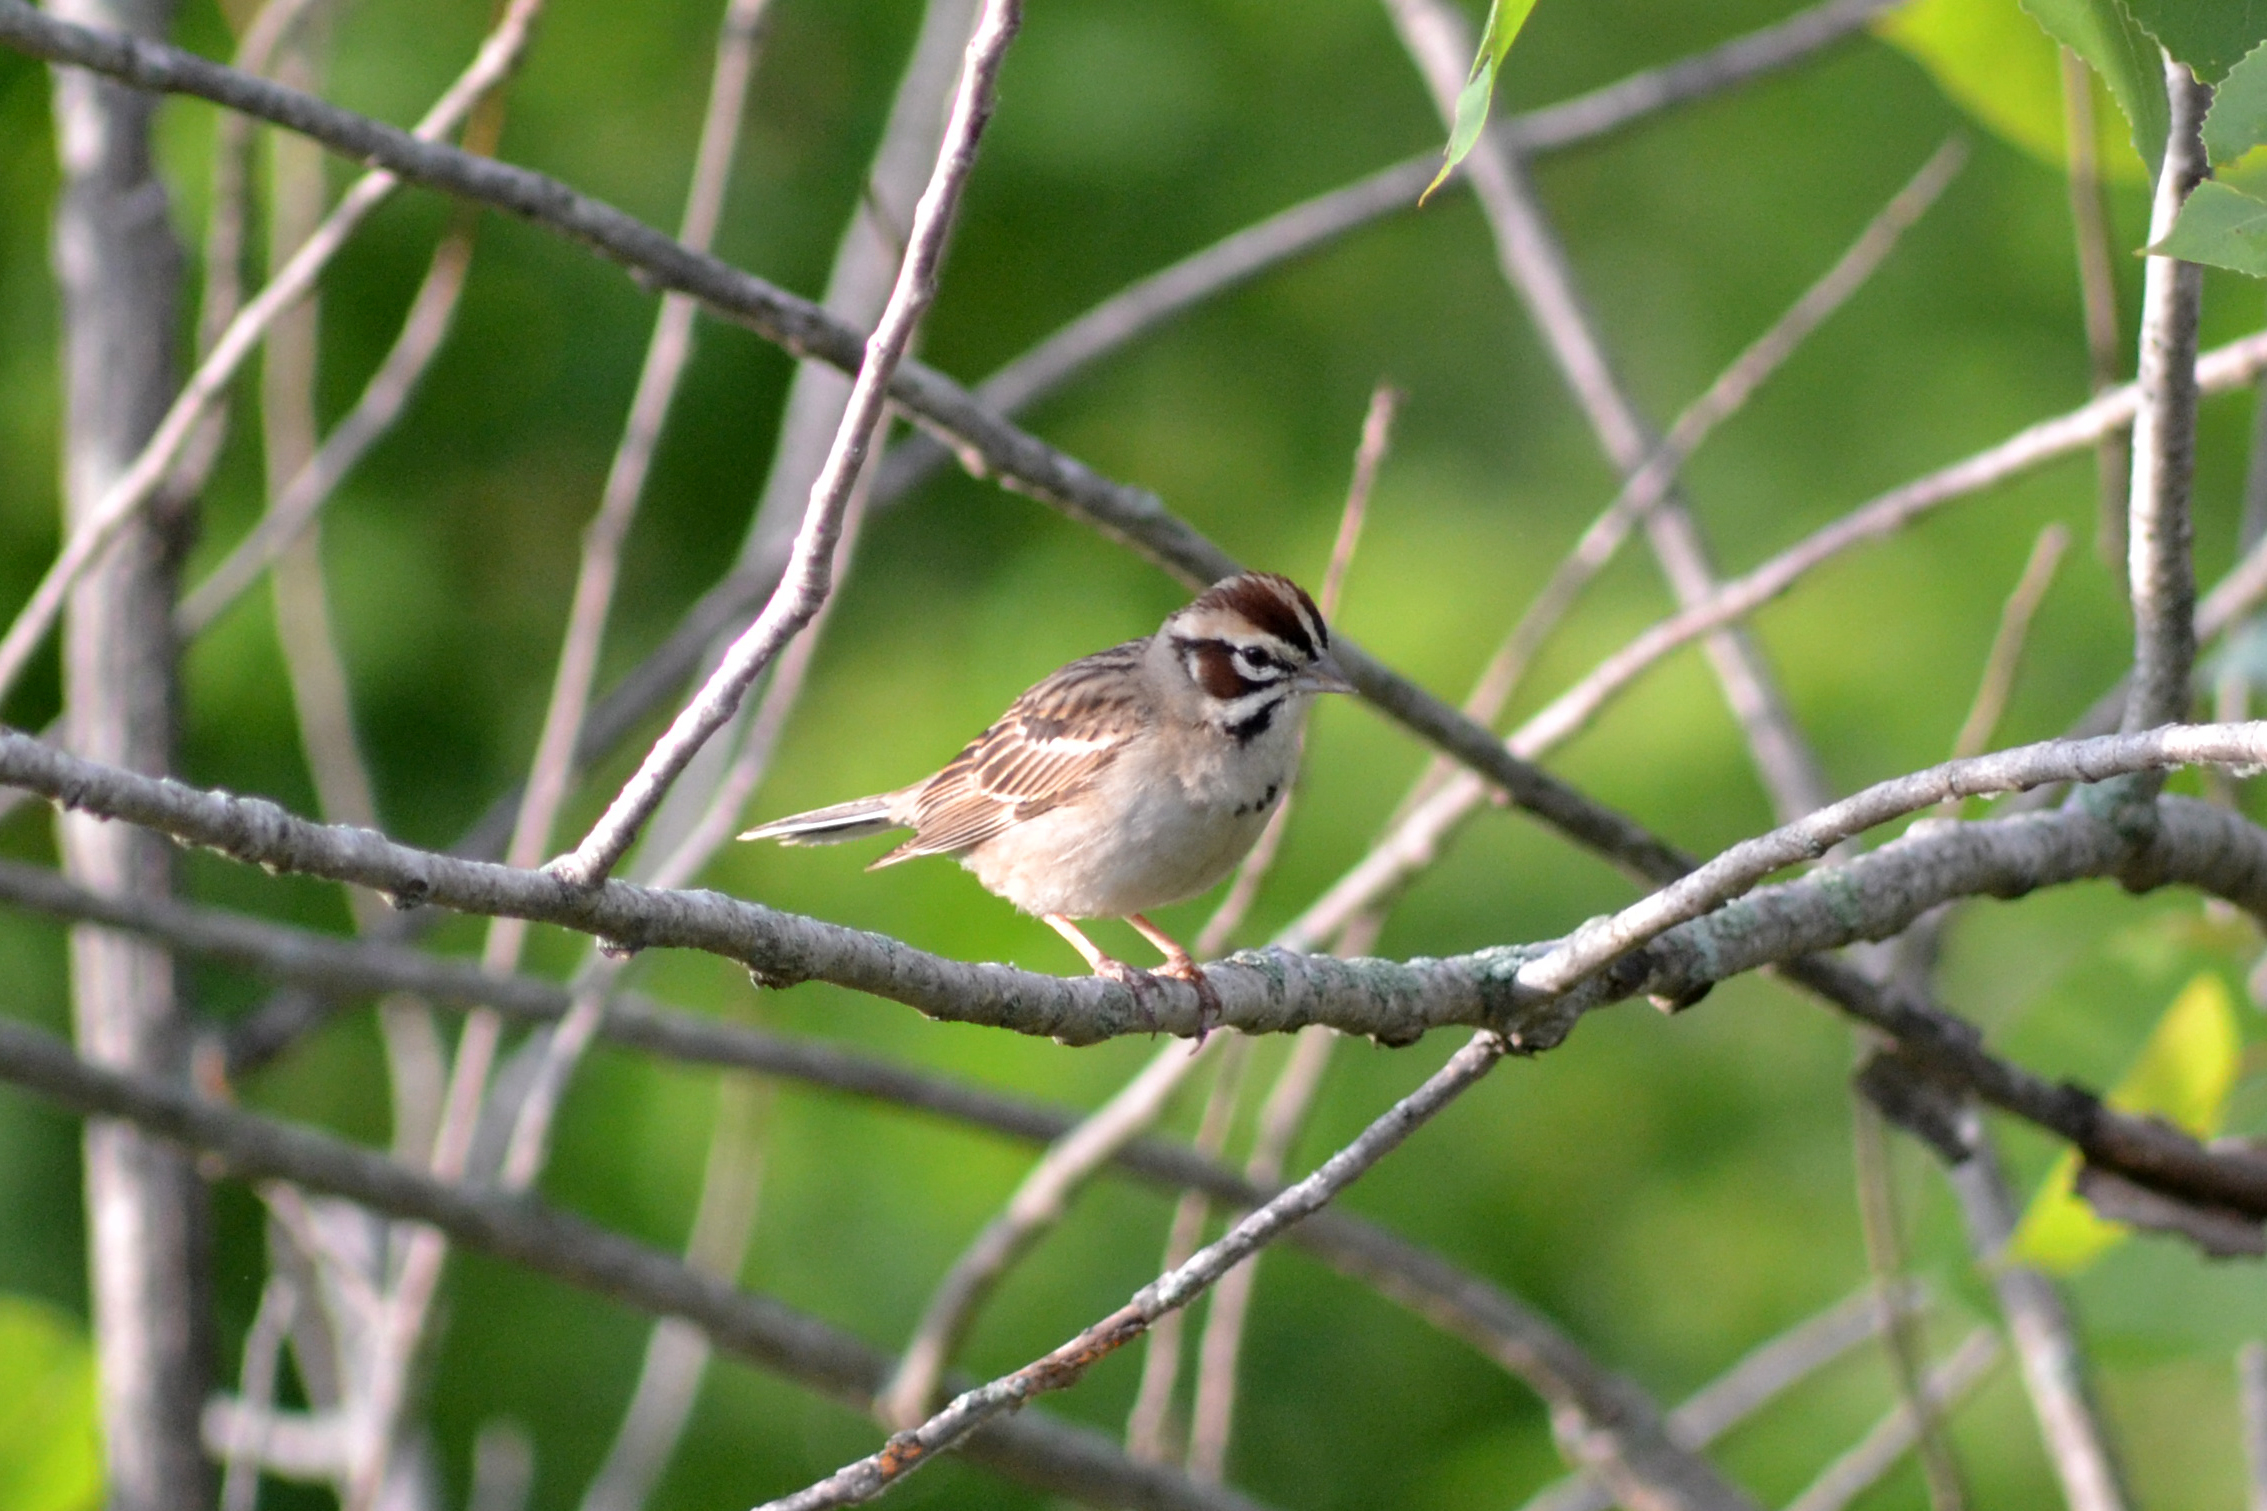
(2221,226)
(1994,62)
(2101,32)
(50,1446)
(1505,18)
(2183,1075)
(2237,121)
(2210,36)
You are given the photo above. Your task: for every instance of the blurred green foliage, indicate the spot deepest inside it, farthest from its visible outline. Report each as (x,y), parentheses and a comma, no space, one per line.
(1673,1191)
(50,1446)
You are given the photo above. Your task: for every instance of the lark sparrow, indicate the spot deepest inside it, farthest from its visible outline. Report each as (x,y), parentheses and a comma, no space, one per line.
(1132,778)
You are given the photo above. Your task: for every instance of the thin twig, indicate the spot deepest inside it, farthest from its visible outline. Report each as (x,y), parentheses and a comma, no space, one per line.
(2097,291)
(2044,1335)
(1066,1365)
(1282,1117)
(1754,1381)
(1038,1205)
(673,864)
(667,352)
(2006,655)
(1900,1328)
(546,788)
(1150,1430)
(2159,532)
(2251,1404)
(803,586)
(425,328)
(226,225)
(1251,874)
(256,1388)
(139,483)
(866,264)
(676,1353)
(1877,1453)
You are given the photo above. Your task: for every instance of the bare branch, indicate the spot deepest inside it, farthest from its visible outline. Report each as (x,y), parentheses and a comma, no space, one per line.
(1282,1116)
(2005,657)
(2160,534)
(1251,874)
(1872,897)
(667,352)
(676,1353)
(1065,1366)
(140,482)
(1900,1327)
(1753,1382)
(2097,291)
(2251,1400)
(1412,845)
(255,1387)
(118,270)
(2045,1337)
(1038,1205)
(384,397)
(1047,1454)
(1150,1429)
(1857,1471)
(803,586)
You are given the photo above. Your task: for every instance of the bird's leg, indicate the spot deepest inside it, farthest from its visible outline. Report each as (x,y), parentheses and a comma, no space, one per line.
(1140,982)
(1180,963)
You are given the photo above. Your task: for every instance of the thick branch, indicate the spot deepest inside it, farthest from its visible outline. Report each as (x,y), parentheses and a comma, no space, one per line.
(1870,898)
(118,266)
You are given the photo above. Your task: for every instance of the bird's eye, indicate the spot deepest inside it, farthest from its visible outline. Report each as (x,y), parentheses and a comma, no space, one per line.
(1253,662)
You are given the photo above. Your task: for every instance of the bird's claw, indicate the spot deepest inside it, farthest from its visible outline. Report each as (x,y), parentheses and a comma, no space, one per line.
(1133,978)
(1209,1011)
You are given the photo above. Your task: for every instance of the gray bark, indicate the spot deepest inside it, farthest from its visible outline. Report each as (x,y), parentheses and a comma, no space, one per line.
(119,266)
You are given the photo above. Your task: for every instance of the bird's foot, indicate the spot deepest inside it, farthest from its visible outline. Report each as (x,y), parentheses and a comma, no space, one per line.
(1143,984)
(1209,1010)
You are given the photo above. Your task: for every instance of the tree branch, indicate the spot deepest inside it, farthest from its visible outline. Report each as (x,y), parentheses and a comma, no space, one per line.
(1851,1475)
(2159,533)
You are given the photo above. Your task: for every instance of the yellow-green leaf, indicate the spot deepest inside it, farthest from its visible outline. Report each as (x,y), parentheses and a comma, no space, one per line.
(50,1445)
(2183,1076)
(1505,18)
(1994,62)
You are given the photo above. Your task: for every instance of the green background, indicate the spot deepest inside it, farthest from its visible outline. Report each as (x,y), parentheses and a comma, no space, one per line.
(1672,1191)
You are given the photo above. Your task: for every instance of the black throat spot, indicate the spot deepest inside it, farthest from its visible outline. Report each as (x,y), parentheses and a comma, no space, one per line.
(1253,725)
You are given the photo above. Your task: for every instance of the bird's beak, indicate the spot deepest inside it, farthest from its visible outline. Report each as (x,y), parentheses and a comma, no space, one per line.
(1323,675)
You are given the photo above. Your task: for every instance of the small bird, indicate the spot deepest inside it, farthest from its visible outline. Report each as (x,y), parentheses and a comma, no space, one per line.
(1130,779)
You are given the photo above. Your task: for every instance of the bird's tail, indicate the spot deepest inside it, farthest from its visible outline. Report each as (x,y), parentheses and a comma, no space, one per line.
(831,826)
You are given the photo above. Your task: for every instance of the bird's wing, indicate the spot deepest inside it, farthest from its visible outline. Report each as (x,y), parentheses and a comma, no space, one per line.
(1047,748)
